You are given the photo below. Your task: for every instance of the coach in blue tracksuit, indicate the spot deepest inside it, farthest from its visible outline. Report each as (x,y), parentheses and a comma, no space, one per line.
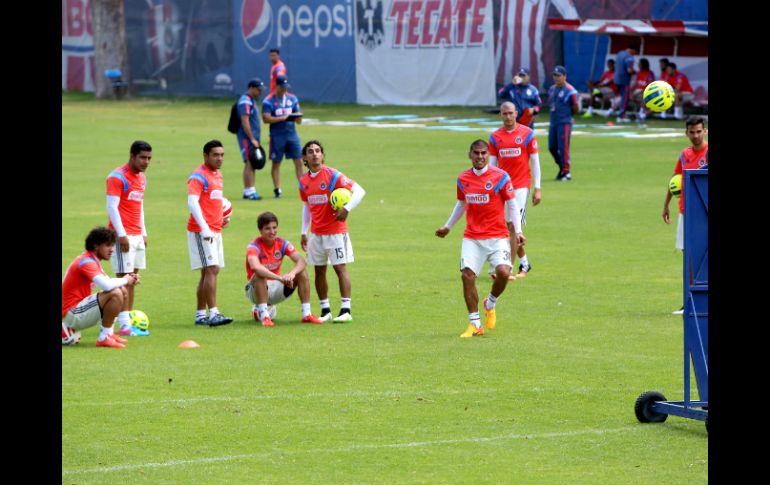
(524,95)
(563,101)
(281,110)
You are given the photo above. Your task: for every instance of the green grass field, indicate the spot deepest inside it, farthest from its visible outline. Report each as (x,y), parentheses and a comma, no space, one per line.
(395,396)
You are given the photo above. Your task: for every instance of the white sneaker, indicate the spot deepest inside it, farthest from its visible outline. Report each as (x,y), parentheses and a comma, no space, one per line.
(344,317)
(678,312)
(325,318)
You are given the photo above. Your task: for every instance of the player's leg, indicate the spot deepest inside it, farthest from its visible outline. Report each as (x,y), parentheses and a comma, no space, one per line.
(564,149)
(339,250)
(471,262)
(302,282)
(553,146)
(500,257)
(294,151)
(111,303)
(343,277)
(259,297)
(249,190)
(210,284)
(522,199)
(275,173)
(278,147)
(317,257)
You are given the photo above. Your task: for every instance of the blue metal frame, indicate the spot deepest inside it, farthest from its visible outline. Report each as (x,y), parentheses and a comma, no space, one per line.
(695,298)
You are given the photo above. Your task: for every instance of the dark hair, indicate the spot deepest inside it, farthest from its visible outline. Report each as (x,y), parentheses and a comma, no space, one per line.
(276,51)
(479,142)
(98,236)
(610,61)
(663,59)
(140,146)
(672,65)
(312,142)
(694,120)
(644,64)
(266,218)
(211,144)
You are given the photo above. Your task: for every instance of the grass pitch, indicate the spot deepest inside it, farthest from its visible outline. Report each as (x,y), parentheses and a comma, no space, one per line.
(395,396)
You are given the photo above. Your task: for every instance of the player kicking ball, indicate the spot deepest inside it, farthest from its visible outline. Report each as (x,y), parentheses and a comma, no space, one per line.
(266,285)
(483,192)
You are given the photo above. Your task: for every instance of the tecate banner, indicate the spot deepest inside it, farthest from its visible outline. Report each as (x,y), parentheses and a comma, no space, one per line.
(425,52)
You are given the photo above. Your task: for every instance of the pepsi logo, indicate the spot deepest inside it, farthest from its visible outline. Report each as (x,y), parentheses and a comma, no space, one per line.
(256,24)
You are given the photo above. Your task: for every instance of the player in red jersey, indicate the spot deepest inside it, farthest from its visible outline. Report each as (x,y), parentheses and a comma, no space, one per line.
(682,88)
(79,308)
(329,242)
(603,88)
(484,190)
(692,157)
(643,77)
(125,207)
(266,285)
(204,231)
(513,148)
(277,68)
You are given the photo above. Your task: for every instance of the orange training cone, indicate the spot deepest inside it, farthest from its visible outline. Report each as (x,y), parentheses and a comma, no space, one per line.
(188,344)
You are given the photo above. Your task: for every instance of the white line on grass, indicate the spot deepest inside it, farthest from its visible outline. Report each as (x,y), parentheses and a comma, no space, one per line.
(413,444)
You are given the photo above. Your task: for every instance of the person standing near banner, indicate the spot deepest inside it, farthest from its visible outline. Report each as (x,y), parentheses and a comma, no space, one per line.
(281,111)
(624,70)
(563,101)
(278,68)
(525,97)
(248,135)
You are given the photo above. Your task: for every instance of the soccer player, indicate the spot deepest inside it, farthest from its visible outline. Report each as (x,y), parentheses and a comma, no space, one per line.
(524,96)
(248,135)
(624,69)
(483,191)
(513,148)
(604,88)
(682,88)
(204,231)
(563,99)
(266,285)
(277,108)
(695,156)
(277,68)
(329,242)
(80,308)
(125,209)
(642,79)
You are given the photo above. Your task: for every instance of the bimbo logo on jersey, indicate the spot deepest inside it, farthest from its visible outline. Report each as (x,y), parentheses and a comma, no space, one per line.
(510,152)
(317,199)
(435,23)
(476,198)
(260,28)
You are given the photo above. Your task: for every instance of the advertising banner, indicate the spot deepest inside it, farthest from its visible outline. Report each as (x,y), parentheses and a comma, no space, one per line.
(77,46)
(425,52)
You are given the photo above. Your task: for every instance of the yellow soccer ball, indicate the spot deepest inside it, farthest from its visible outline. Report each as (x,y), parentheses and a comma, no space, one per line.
(658,96)
(339,198)
(675,185)
(139,319)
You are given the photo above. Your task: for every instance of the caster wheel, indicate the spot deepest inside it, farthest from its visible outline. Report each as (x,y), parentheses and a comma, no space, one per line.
(643,408)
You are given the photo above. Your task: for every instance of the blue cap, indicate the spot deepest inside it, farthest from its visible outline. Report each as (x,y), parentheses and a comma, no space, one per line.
(256,83)
(281,81)
(559,70)
(523,70)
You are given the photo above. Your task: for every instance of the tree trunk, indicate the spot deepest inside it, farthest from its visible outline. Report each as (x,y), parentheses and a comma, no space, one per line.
(110,52)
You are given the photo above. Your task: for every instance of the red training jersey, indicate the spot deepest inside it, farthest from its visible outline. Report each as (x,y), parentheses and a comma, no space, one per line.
(278,69)
(643,78)
(315,190)
(78,280)
(129,186)
(271,256)
(485,197)
(680,83)
(688,160)
(608,80)
(207,184)
(512,151)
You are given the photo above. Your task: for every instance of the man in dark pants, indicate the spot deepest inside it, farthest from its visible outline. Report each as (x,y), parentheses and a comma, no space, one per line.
(563,101)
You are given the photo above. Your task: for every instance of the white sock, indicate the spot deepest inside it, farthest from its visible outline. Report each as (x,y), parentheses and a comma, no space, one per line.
(124,319)
(213,311)
(262,307)
(249,190)
(491,301)
(200,313)
(523,260)
(104,332)
(475,319)
(344,303)
(325,305)
(677,112)
(305,309)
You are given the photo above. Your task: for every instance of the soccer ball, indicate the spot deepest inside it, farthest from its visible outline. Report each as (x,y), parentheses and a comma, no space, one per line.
(68,335)
(227,208)
(339,198)
(139,319)
(659,96)
(675,185)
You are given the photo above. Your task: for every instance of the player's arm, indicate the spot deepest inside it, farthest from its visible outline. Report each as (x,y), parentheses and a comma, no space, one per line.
(113,201)
(575,103)
(666,202)
(108,284)
(296,110)
(515,220)
(299,265)
(141,221)
(534,162)
(247,128)
(306,220)
(259,269)
(193,203)
(455,216)
(267,115)
(357,193)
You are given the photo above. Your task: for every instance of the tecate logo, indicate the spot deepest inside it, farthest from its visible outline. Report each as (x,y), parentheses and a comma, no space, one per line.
(476,198)
(260,28)
(434,23)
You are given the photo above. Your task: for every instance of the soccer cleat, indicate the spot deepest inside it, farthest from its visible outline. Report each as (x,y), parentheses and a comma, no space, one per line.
(312,319)
(201,320)
(267,322)
(254,196)
(118,339)
(523,270)
(68,335)
(138,332)
(343,317)
(277,193)
(125,331)
(255,314)
(568,176)
(108,342)
(472,331)
(678,312)
(561,177)
(491,316)
(326,315)
(219,319)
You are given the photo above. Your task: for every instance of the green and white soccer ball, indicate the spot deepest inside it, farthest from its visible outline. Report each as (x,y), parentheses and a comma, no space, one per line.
(339,198)
(659,96)
(675,185)
(139,319)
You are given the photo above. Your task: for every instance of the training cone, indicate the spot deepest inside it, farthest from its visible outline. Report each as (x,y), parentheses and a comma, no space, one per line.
(188,344)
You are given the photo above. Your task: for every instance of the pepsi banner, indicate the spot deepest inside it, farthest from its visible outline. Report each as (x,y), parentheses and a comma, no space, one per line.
(425,52)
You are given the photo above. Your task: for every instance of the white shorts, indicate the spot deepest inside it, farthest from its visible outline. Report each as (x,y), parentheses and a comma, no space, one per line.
(86,314)
(331,249)
(477,251)
(680,232)
(522,196)
(203,253)
(133,259)
(276,292)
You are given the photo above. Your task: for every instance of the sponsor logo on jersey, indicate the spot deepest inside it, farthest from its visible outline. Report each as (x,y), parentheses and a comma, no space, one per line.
(448,23)
(477,198)
(216,195)
(135,195)
(518,140)
(317,199)
(488,185)
(510,152)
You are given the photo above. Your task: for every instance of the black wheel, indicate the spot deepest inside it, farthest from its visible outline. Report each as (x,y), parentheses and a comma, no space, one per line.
(643,407)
